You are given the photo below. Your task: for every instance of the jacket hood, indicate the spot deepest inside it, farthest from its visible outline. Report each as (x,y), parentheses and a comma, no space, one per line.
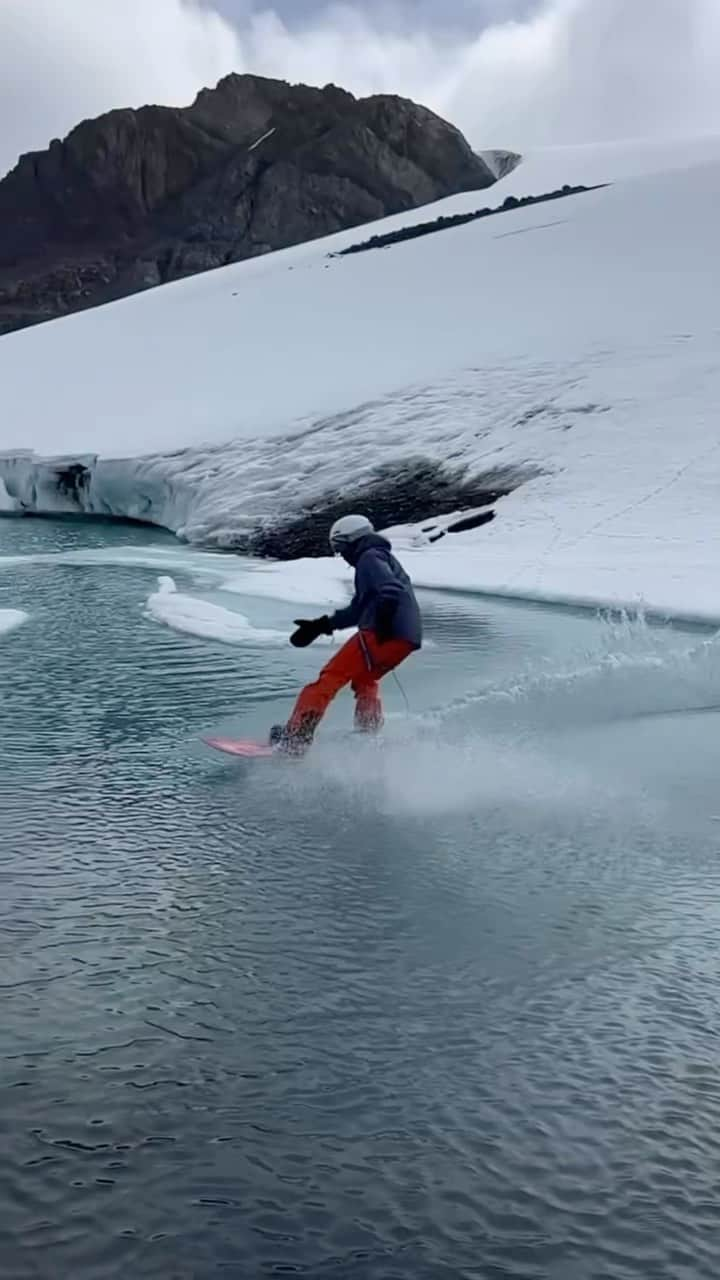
(355,550)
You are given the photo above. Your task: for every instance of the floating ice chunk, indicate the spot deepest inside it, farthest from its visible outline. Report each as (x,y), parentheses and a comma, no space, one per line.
(10,619)
(197,617)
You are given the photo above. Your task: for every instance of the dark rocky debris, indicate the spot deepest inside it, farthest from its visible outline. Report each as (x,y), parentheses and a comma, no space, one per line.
(419,229)
(401,493)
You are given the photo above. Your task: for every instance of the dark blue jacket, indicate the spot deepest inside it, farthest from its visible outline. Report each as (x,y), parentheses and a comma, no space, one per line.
(379,576)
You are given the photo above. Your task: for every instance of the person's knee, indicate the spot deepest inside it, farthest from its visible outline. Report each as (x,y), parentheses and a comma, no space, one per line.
(331,687)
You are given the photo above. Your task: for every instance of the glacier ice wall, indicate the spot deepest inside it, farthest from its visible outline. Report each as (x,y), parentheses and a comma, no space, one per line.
(421,452)
(6,502)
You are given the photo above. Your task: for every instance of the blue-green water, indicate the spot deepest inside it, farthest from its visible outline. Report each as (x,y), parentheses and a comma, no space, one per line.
(446,1006)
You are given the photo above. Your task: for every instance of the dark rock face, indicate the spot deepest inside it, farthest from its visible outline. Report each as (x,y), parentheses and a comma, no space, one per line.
(409,492)
(137,198)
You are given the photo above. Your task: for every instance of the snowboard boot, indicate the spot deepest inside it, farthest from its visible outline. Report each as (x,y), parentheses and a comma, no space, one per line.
(294,741)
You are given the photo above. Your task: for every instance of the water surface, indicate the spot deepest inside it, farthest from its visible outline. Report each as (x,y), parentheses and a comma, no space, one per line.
(443,1006)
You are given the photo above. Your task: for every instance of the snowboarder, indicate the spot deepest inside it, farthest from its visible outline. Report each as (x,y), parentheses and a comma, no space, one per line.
(386,613)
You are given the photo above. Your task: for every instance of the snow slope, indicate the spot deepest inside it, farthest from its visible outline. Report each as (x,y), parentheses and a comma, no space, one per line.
(548,168)
(578,338)
(244,350)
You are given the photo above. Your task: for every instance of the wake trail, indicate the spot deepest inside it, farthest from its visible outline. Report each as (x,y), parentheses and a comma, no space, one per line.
(640,672)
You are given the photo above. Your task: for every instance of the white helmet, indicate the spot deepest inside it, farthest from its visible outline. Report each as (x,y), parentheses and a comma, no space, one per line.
(349,529)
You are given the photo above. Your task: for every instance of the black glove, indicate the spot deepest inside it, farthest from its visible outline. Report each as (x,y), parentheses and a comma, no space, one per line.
(384,614)
(308,630)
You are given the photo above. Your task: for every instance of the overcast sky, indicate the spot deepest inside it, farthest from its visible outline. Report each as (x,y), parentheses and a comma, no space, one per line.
(398,14)
(510,73)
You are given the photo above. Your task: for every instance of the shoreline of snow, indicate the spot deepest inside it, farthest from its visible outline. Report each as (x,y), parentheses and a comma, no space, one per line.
(308,582)
(634,608)
(326,583)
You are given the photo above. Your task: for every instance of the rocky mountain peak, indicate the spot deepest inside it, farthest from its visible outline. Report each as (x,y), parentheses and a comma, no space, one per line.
(138,197)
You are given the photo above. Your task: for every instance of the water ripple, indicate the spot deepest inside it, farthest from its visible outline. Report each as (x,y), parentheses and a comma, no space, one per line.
(266,1023)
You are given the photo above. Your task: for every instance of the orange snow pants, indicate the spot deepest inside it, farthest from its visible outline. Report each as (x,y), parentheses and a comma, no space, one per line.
(361,663)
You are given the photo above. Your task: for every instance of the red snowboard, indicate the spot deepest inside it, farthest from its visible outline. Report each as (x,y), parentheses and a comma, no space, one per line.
(240,747)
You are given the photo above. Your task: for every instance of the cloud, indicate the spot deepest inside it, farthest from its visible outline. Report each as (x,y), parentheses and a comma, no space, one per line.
(64,60)
(569,71)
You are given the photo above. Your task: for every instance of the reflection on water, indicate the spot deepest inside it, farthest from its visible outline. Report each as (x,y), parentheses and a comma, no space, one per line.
(443,1006)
